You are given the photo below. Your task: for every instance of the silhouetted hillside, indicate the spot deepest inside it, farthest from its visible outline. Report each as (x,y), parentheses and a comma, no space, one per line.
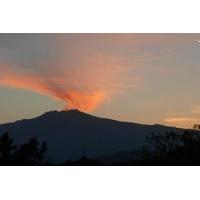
(73,134)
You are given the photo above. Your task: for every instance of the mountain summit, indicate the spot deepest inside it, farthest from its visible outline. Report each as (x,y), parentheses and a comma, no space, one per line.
(70,134)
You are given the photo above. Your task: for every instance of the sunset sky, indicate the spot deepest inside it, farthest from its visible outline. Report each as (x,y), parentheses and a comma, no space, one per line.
(144,78)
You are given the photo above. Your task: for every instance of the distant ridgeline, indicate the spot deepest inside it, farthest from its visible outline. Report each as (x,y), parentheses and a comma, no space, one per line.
(72,134)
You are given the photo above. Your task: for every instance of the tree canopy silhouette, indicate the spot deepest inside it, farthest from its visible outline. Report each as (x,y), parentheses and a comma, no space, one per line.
(173,149)
(7,150)
(30,153)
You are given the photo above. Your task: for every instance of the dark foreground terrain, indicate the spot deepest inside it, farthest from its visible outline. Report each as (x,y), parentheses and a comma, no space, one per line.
(170,149)
(73,138)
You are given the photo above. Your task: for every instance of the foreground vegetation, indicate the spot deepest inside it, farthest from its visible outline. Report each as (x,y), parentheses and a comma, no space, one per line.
(30,153)
(161,149)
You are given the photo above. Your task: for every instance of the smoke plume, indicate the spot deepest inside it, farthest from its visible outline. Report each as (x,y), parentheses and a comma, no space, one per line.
(83,88)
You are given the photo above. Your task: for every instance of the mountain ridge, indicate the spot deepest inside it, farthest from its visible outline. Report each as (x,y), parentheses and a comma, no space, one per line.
(68,133)
(89,115)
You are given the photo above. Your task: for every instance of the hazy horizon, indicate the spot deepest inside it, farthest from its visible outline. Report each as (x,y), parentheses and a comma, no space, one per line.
(87,113)
(142,78)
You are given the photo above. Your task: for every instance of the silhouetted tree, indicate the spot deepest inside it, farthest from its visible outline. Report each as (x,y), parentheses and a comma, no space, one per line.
(31,153)
(162,143)
(174,149)
(196,127)
(7,150)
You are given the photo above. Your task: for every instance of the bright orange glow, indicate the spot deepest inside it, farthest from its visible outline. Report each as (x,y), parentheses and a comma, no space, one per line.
(84,100)
(85,88)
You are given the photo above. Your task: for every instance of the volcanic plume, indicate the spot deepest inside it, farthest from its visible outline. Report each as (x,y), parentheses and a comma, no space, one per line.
(85,88)
(72,68)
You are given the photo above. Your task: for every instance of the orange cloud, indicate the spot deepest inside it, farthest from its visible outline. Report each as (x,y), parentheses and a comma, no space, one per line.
(83,88)
(85,102)
(81,99)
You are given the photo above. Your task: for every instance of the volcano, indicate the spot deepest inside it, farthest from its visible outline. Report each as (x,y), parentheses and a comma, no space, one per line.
(70,134)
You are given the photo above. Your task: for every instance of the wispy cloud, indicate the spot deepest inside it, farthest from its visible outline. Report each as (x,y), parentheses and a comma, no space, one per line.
(85,86)
(83,70)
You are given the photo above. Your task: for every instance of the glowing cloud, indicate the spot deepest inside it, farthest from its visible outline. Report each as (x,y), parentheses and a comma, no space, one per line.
(83,88)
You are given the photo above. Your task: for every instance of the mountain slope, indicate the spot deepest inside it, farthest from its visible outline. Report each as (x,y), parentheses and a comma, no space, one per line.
(71,133)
